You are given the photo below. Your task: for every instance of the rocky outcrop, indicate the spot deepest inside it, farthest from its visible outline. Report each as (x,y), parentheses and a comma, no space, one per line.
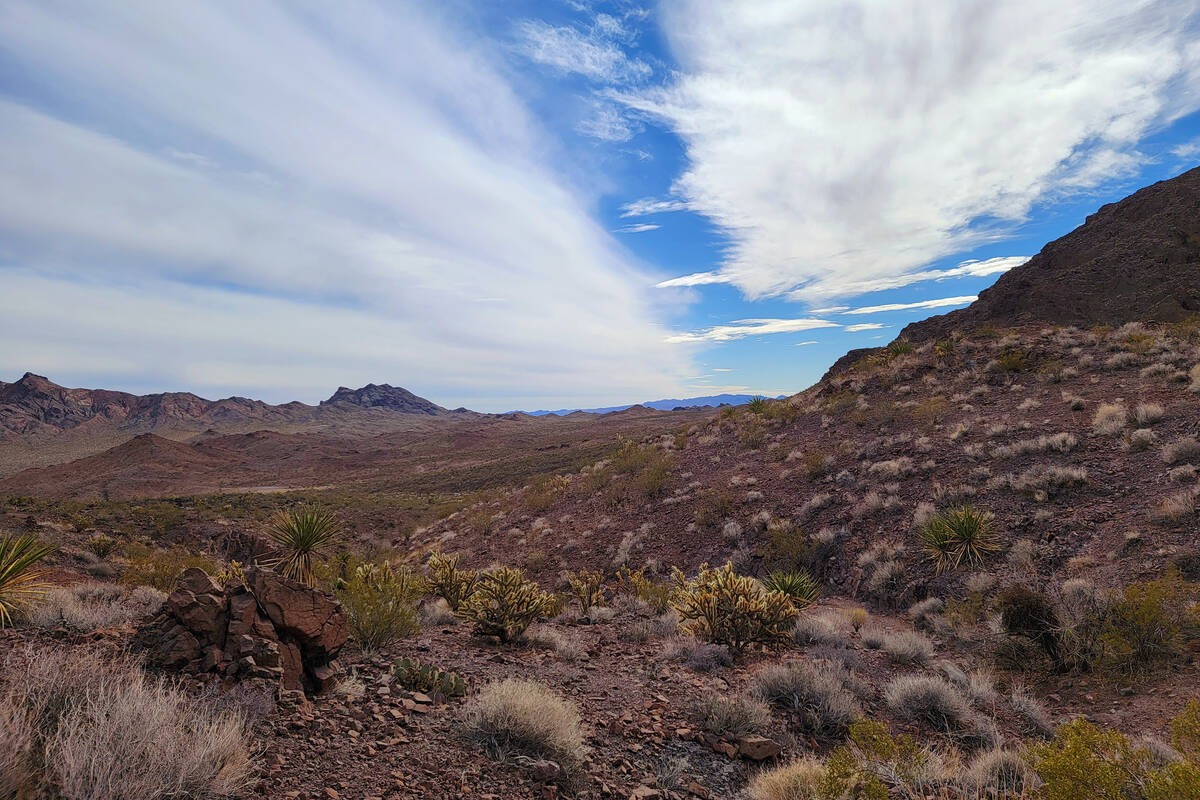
(1134,260)
(393,398)
(269,627)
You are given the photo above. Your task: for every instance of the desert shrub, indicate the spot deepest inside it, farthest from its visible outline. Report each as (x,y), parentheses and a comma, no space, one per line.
(798,586)
(1031,711)
(105,731)
(101,546)
(714,510)
(302,534)
(1012,361)
(544,491)
(1060,442)
(20,578)
(1031,614)
(587,587)
(1042,480)
(418,677)
(1001,773)
(1148,413)
(1148,623)
(925,613)
(930,699)
(872,764)
(381,603)
(644,630)
(791,549)
(732,715)
(161,569)
(906,647)
(1181,450)
(799,779)
(435,612)
(1176,508)
(655,594)
(698,656)
(448,582)
(1141,439)
(1086,762)
(88,606)
(548,638)
(726,608)
(1109,419)
(526,717)
(819,692)
(857,617)
(504,604)
(960,535)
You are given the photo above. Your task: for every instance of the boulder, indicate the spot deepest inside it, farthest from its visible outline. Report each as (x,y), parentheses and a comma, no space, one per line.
(268,628)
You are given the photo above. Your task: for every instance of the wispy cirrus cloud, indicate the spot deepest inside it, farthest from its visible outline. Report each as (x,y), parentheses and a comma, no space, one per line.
(943,302)
(740,329)
(843,150)
(695,279)
(864,326)
(596,53)
(638,228)
(651,205)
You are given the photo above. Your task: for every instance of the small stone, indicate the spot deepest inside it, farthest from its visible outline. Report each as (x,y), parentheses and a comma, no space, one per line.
(757,748)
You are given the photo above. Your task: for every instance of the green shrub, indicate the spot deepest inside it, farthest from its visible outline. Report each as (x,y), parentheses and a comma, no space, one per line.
(798,586)
(723,607)
(872,761)
(101,546)
(301,534)
(418,677)
(20,580)
(655,594)
(161,569)
(448,582)
(504,604)
(1147,624)
(1012,361)
(381,603)
(961,535)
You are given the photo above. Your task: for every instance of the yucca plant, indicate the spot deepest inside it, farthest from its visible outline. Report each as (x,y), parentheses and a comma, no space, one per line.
(302,533)
(20,581)
(957,536)
(798,585)
(757,405)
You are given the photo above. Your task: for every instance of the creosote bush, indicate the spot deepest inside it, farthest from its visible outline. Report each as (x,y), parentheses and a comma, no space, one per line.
(381,603)
(160,569)
(730,609)
(504,604)
(526,717)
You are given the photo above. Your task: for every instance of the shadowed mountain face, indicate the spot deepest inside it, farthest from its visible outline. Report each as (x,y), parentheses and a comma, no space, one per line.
(384,396)
(1137,259)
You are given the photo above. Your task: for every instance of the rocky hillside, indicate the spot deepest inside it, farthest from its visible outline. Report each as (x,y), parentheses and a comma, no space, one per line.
(1134,260)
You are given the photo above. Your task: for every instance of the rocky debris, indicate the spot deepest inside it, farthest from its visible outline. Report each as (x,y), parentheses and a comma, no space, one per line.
(269,627)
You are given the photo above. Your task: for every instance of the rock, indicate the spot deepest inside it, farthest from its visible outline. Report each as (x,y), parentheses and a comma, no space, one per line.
(757,748)
(271,628)
(545,771)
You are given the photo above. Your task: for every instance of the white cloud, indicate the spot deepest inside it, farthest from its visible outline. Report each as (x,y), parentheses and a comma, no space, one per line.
(638,228)
(595,54)
(939,303)
(608,124)
(269,201)
(966,269)
(830,310)
(721,369)
(843,149)
(864,326)
(650,205)
(695,279)
(806,344)
(742,328)
(1187,150)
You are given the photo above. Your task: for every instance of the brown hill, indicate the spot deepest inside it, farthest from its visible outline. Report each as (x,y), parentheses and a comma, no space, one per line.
(1134,260)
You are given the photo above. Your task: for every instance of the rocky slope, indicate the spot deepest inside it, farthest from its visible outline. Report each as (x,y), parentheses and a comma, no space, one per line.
(1134,260)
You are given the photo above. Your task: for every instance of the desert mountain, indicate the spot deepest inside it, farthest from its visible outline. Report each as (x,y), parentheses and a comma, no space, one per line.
(384,396)
(1134,260)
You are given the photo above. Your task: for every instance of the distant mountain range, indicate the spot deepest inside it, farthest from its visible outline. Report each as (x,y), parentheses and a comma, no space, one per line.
(713,400)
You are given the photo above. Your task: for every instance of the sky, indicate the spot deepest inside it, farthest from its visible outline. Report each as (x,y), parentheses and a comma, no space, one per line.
(548,204)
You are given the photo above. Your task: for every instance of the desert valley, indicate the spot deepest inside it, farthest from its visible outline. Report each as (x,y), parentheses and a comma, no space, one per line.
(963,564)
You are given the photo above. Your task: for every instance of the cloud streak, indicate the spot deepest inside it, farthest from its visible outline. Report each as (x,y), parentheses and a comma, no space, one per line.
(943,302)
(740,329)
(842,151)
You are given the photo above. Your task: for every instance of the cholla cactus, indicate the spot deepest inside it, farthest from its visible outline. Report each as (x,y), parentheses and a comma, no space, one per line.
(504,604)
(726,608)
(588,588)
(415,676)
(446,580)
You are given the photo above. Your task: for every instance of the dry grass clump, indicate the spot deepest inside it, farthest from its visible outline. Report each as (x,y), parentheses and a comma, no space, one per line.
(1042,480)
(1194,374)
(732,715)
(101,729)
(800,779)
(524,716)
(1177,507)
(1001,773)
(1036,719)
(819,691)
(906,647)
(88,606)
(1141,439)
(1148,413)
(930,699)
(885,578)
(1184,449)
(1061,442)
(925,613)
(818,629)
(546,638)
(894,468)
(1074,402)
(1109,419)
(17,762)
(978,685)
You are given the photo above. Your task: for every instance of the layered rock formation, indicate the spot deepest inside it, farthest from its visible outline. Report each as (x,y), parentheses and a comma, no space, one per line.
(269,627)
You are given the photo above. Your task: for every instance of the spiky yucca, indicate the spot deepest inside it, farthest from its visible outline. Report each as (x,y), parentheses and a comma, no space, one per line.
(799,586)
(957,536)
(730,609)
(20,581)
(587,587)
(447,581)
(504,604)
(302,533)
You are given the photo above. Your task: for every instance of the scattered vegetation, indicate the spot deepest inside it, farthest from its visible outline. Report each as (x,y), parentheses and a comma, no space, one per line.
(723,607)
(20,579)
(526,717)
(418,677)
(302,534)
(963,535)
(381,603)
(448,582)
(504,604)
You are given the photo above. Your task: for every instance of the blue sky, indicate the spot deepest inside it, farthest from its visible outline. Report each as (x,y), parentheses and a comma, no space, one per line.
(548,204)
